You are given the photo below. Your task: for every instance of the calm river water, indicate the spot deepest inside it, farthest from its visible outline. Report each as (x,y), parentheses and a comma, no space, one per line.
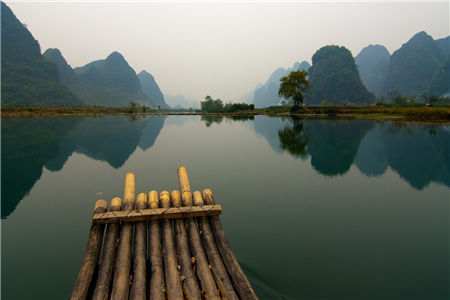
(314,209)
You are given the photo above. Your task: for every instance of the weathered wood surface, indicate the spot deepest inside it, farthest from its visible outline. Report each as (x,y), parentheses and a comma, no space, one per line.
(121,280)
(157,214)
(204,274)
(138,289)
(172,276)
(157,284)
(106,265)
(191,288)
(90,258)
(215,260)
(240,281)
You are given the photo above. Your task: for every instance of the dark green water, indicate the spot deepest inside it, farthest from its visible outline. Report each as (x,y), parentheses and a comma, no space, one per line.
(313,209)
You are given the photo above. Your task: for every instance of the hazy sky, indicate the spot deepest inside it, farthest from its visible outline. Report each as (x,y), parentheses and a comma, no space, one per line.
(217,48)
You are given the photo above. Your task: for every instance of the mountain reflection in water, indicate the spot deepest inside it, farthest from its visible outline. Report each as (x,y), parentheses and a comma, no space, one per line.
(31,144)
(420,154)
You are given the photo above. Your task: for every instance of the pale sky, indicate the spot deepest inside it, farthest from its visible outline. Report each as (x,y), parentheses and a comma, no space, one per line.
(217,48)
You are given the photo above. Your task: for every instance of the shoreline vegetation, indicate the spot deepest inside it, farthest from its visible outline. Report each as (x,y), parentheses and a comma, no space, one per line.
(421,113)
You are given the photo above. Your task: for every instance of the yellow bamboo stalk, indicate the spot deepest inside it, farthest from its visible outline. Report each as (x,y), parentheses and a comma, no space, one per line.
(189,282)
(91,254)
(240,281)
(218,269)
(157,285)
(105,272)
(173,282)
(138,288)
(121,281)
(204,274)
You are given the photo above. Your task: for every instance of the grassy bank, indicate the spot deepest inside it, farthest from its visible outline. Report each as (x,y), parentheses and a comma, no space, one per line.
(408,113)
(413,113)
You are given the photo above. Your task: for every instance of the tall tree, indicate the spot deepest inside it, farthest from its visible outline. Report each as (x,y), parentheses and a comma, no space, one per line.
(293,86)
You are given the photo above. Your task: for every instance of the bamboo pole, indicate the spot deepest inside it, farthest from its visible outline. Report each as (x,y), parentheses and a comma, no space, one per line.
(240,281)
(173,283)
(138,288)
(121,281)
(189,281)
(183,178)
(204,274)
(217,267)
(157,285)
(105,273)
(91,255)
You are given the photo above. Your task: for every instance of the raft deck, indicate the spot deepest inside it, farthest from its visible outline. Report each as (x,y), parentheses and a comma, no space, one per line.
(167,245)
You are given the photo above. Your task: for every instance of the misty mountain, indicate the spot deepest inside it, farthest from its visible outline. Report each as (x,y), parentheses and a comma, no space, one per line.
(414,65)
(373,65)
(334,78)
(444,46)
(109,82)
(27,78)
(440,83)
(65,71)
(267,93)
(151,89)
(180,101)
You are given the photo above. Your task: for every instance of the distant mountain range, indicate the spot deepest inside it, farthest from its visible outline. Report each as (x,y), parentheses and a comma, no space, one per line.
(420,67)
(180,101)
(414,66)
(30,78)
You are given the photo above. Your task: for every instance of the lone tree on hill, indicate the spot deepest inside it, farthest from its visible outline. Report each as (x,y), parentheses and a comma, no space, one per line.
(293,86)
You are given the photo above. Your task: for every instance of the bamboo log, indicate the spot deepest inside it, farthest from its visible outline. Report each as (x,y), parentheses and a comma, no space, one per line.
(189,281)
(183,177)
(204,274)
(105,273)
(172,277)
(157,285)
(91,255)
(240,281)
(215,260)
(138,288)
(121,281)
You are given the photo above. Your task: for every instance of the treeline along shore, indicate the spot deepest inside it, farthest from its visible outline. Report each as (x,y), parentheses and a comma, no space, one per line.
(405,113)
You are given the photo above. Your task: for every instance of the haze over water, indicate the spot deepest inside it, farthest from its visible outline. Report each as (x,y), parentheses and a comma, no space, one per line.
(222,49)
(314,209)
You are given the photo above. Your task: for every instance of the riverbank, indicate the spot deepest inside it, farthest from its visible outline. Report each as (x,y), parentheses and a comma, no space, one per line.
(439,114)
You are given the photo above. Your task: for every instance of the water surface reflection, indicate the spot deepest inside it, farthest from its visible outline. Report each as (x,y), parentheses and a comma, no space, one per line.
(314,209)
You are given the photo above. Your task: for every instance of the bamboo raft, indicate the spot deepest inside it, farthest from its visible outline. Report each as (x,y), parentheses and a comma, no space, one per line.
(160,246)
